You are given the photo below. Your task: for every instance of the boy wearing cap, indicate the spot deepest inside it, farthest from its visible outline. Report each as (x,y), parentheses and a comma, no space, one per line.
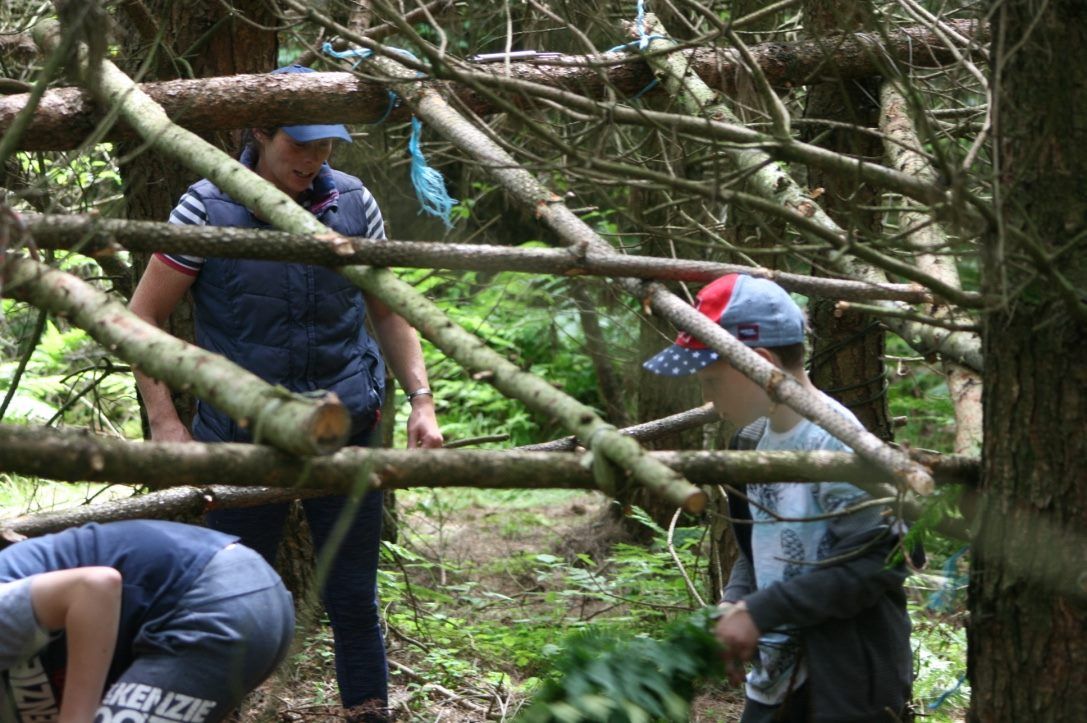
(817,610)
(302,327)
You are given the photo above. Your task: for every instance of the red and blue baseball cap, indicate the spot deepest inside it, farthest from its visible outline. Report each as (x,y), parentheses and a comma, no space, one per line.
(756,311)
(307,133)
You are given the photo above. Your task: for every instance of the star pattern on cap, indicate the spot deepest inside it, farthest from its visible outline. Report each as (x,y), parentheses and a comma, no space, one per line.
(677,361)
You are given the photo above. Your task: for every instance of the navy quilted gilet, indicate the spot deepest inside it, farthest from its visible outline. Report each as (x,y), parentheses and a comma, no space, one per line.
(296,325)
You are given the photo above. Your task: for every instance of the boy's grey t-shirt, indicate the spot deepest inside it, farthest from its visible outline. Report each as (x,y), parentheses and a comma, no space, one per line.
(20,633)
(785,548)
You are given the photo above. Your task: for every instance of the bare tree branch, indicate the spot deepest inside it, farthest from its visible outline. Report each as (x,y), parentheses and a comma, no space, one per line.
(97,237)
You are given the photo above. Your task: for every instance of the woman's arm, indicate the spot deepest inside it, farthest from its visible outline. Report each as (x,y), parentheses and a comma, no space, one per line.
(159,291)
(86,603)
(400,342)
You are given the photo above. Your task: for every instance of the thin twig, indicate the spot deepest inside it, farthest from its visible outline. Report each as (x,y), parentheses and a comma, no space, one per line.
(679,563)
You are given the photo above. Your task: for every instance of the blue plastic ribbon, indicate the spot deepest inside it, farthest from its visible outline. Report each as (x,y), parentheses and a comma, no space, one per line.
(941,599)
(428,182)
(946,694)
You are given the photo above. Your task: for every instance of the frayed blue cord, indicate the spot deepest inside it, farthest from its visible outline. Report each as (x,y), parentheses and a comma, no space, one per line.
(639,24)
(641,43)
(428,183)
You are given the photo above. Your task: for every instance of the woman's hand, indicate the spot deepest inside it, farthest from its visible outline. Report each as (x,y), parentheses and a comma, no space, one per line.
(423,430)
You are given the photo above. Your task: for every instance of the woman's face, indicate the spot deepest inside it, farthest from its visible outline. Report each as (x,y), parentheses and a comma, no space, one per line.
(291,166)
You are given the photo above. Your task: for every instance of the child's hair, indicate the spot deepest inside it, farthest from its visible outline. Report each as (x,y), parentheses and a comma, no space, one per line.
(249,140)
(791,355)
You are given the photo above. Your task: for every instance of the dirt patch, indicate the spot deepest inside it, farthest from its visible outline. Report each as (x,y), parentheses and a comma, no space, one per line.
(485,548)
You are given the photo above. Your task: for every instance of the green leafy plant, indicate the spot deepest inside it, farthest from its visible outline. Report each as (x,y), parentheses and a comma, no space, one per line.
(606,678)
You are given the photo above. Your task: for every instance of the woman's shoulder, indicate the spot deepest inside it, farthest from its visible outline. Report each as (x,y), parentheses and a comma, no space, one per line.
(346,183)
(204,189)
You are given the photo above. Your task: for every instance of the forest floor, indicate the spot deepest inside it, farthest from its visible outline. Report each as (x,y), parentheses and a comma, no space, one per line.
(481,587)
(478,585)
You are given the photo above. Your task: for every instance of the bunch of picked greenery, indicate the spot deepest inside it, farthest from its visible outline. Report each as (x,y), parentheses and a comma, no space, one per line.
(608,679)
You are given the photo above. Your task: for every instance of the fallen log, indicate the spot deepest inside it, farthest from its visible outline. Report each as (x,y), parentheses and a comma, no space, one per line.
(66,116)
(191,477)
(98,237)
(292,422)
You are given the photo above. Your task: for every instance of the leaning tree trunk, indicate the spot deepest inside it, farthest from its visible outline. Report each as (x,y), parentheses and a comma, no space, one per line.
(1028,589)
(212,40)
(207,39)
(659,396)
(847,346)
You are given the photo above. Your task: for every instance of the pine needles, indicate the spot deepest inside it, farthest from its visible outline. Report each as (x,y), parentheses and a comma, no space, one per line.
(607,679)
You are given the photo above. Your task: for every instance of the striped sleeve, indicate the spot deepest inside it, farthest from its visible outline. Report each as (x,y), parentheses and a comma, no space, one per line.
(189,211)
(374,223)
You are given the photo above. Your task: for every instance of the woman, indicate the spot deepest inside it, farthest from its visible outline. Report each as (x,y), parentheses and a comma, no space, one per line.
(302,327)
(180,621)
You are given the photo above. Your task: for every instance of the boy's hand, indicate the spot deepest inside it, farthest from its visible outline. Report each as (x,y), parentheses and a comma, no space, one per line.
(737,632)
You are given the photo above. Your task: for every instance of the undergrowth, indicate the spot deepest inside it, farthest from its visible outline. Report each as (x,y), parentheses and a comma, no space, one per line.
(485,590)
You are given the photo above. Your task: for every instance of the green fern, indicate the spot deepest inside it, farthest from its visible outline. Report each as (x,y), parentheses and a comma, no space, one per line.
(608,679)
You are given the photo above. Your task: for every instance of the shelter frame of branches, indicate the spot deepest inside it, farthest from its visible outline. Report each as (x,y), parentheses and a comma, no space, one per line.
(931,311)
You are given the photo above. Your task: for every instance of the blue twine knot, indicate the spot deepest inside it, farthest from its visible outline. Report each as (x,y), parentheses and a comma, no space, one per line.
(428,183)
(360,53)
(642,43)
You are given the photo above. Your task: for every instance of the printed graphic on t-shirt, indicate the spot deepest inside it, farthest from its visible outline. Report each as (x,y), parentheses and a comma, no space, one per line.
(32,689)
(790,536)
(141,703)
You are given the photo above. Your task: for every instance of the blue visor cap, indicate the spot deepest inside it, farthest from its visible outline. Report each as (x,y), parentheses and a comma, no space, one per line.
(308,133)
(756,311)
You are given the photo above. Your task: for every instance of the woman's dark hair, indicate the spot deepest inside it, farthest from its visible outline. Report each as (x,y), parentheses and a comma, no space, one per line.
(249,140)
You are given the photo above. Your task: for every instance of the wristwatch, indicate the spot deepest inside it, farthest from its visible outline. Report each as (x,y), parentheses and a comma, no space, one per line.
(420,392)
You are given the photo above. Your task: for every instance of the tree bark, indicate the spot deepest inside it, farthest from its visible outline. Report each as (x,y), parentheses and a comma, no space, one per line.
(645,432)
(66,116)
(608,384)
(76,456)
(847,346)
(932,244)
(289,421)
(175,503)
(1028,587)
